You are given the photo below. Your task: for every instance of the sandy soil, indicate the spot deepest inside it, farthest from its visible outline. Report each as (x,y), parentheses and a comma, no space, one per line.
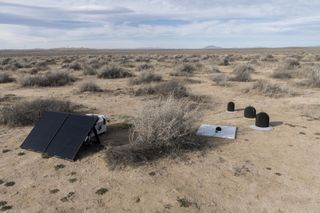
(276,171)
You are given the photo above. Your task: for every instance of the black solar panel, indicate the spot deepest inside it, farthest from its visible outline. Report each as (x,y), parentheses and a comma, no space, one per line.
(69,139)
(44,131)
(60,134)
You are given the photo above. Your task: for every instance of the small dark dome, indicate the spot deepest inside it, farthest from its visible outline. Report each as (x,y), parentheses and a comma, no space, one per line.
(218,129)
(262,120)
(231,107)
(250,112)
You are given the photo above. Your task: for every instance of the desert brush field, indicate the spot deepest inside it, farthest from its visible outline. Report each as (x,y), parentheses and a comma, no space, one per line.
(150,159)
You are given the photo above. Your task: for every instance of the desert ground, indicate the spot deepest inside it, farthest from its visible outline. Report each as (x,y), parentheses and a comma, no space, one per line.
(259,171)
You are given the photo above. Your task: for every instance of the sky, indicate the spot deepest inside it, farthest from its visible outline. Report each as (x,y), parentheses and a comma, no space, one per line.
(158,23)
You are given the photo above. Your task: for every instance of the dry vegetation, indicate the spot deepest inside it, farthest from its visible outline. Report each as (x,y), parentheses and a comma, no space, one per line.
(90,87)
(313,78)
(184,70)
(220,79)
(28,112)
(114,72)
(50,79)
(272,90)
(182,89)
(242,73)
(165,89)
(161,127)
(5,78)
(146,77)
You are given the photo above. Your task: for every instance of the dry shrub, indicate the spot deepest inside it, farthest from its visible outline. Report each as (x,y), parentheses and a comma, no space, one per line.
(5,78)
(184,70)
(114,72)
(224,61)
(286,69)
(162,127)
(214,70)
(13,65)
(28,112)
(172,87)
(146,77)
(269,58)
(242,73)
(143,67)
(282,73)
(75,66)
(50,79)
(271,90)
(291,63)
(41,65)
(88,70)
(313,79)
(89,87)
(220,79)
(164,122)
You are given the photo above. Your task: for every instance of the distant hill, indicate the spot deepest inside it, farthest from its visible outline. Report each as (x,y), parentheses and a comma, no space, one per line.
(212,47)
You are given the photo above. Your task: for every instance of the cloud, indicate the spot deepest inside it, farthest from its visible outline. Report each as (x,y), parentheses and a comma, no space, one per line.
(162,23)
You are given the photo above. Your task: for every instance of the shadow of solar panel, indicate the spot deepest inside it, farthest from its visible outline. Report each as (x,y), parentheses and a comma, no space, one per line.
(44,131)
(71,136)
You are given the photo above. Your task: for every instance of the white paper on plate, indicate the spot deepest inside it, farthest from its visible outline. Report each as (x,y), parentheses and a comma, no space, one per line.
(210,131)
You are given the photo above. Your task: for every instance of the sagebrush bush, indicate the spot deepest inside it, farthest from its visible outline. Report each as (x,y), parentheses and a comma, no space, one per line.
(88,70)
(184,70)
(242,73)
(165,122)
(214,70)
(313,79)
(291,63)
(143,67)
(50,79)
(224,61)
(269,58)
(146,77)
(89,87)
(282,73)
(162,127)
(24,113)
(75,66)
(272,90)
(114,72)
(172,87)
(5,78)
(220,79)
(286,69)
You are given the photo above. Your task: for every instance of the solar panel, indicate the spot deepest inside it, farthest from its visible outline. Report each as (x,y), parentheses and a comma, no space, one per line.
(44,131)
(60,134)
(69,139)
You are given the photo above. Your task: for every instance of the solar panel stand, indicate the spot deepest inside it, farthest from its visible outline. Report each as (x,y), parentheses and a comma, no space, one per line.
(96,135)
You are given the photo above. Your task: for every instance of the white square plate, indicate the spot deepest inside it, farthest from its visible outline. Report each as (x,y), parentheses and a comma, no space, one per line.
(210,131)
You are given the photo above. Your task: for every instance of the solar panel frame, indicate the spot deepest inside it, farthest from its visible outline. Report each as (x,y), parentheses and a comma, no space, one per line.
(44,131)
(60,134)
(71,136)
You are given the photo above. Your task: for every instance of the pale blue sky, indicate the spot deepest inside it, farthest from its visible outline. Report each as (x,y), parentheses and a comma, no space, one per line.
(158,23)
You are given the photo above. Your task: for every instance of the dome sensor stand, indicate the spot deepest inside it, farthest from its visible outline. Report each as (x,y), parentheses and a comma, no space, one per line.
(250,112)
(231,107)
(262,122)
